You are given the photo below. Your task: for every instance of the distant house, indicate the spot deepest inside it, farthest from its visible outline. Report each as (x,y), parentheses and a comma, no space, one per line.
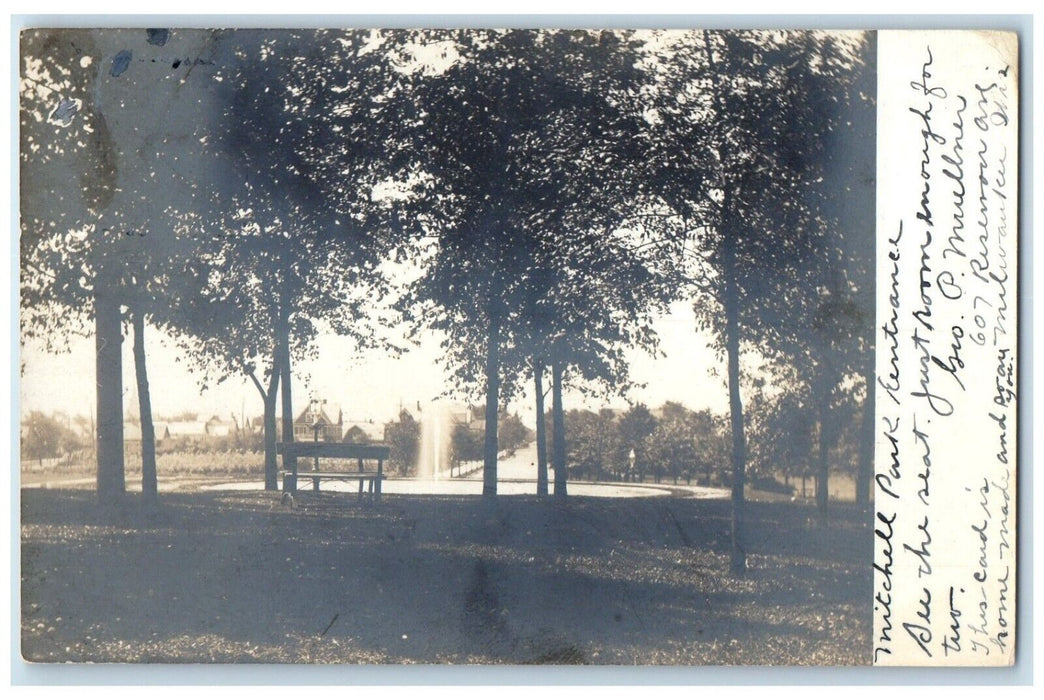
(132,432)
(188,429)
(468,417)
(316,418)
(200,430)
(216,427)
(461,415)
(329,421)
(182,430)
(256,426)
(458,414)
(363,431)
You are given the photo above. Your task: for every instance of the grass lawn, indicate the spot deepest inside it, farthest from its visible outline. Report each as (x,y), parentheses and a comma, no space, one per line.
(237,576)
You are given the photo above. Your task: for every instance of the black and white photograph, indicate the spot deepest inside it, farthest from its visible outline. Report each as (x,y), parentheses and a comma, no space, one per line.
(478,346)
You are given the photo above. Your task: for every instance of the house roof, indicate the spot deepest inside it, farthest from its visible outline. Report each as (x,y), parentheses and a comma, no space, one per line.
(326,413)
(371,429)
(132,431)
(187,428)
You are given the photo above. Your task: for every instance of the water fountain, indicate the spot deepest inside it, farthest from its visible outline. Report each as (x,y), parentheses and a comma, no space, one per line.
(433,460)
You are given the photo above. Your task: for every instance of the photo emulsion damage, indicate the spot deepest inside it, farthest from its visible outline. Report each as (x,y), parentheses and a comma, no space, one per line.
(465,346)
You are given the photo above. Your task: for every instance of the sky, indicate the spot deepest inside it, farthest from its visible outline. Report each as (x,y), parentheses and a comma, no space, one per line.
(366,386)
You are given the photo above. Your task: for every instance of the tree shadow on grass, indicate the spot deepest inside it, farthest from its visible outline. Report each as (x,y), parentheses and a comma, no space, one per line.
(238,577)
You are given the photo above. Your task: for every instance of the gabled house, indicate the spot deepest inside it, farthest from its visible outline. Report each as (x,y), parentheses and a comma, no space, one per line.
(315,422)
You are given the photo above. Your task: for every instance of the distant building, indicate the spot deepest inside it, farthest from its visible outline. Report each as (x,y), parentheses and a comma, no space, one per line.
(461,415)
(132,432)
(216,427)
(315,418)
(330,422)
(468,417)
(188,429)
(362,431)
(183,430)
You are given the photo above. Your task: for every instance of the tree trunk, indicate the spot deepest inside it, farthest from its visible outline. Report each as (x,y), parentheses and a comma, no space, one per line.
(822,390)
(730,300)
(738,559)
(149,485)
(489,453)
(541,428)
(823,454)
(268,400)
(864,475)
(558,451)
(109,379)
(283,343)
(270,428)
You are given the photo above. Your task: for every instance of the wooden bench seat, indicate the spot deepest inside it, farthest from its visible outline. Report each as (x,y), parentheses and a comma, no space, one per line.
(364,478)
(334,450)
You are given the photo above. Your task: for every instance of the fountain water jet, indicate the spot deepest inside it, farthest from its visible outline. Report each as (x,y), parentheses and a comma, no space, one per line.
(433,459)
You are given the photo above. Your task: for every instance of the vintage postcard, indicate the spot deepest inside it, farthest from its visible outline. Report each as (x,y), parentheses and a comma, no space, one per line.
(508,346)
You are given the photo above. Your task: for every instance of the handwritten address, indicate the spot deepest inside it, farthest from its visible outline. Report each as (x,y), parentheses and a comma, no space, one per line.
(944,520)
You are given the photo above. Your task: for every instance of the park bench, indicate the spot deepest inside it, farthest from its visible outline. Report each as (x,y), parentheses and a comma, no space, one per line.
(334,450)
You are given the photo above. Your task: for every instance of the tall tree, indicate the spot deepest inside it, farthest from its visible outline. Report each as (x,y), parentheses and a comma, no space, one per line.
(58,222)
(100,187)
(738,133)
(541,425)
(41,436)
(403,437)
(823,327)
(517,159)
(852,167)
(294,251)
(149,479)
(673,443)
(228,329)
(584,189)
